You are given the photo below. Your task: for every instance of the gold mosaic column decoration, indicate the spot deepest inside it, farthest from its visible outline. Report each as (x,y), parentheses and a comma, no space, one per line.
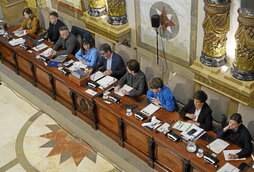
(97,7)
(216,26)
(117,12)
(243,67)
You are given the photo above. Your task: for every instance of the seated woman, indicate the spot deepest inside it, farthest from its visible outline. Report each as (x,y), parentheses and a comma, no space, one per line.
(30,23)
(88,54)
(238,134)
(198,111)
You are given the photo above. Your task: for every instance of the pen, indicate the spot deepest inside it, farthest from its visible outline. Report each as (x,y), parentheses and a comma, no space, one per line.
(252,157)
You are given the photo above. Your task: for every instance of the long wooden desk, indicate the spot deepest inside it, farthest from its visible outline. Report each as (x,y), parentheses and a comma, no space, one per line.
(154,148)
(48,79)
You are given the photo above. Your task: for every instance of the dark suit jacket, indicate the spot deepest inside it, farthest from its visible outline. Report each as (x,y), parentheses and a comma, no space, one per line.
(205,117)
(117,66)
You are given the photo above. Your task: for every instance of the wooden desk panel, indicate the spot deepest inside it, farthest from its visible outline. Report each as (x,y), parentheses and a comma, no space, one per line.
(108,123)
(168,159)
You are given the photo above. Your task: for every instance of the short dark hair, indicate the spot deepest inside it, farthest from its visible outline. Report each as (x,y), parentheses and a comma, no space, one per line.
(155,83)
(200,95)
(105,47)
(133,65)
(85,42)
(53,13)
(64,28)
(236,117)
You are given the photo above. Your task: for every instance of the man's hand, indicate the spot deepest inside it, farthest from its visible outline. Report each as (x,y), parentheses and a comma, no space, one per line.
(107,72)
(53,52)
(232,156)
(124,91)
(191,116)
(117,88)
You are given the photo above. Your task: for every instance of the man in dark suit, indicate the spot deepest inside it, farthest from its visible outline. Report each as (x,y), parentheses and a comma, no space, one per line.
(198,111)
(110,62)
(54,25)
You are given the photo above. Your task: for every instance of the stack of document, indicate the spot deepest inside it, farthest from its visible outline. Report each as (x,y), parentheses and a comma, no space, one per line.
(125,87)
(96,76)
(150,109)
(18,41)
(40,47)
(106,81)
(218,145)
(46,53)
(182,126)
(194,132)
(152,123)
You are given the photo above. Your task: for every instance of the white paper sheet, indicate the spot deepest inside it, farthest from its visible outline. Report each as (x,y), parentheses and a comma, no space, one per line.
(97,75)
(218,145)
(233,151)
(40,47)
(91,92)
(125,87)
(228,168)
(46,53)
(150,109)
(182,126)
(106,81)
(18,41)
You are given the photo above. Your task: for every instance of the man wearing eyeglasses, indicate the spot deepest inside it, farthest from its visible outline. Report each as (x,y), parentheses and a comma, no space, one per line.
(110,62)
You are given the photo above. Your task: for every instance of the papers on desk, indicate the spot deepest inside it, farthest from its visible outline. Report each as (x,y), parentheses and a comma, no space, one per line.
(152,123)
(19,32)
(18,41)
(2,31)
(91,92)
(46,53)
(194,132)
(182,126)
(106,81)
(96,76)
(150,109)
(218,145)
(164,128)
(40,47)
(125,87)
(228,167)
(233,151)
(77,66)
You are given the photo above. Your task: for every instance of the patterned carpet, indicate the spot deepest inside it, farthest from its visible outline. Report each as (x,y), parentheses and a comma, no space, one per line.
(30,140)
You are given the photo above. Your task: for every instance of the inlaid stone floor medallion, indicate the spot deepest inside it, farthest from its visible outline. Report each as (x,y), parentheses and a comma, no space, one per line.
(31,140)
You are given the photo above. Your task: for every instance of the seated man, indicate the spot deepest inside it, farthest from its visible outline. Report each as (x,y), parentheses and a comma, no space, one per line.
(67,41)
(238,134)
(135,78)
(111,63)
(54,25)
(161,95)
(198,111)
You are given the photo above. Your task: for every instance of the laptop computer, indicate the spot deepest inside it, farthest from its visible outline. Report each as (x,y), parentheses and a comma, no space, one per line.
(60,58)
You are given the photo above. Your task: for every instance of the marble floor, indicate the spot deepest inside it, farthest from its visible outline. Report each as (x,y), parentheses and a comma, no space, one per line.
(30,140)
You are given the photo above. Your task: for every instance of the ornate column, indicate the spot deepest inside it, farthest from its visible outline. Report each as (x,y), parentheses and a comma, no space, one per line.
(117,12)
(243,67)
(216,26)
(97,7)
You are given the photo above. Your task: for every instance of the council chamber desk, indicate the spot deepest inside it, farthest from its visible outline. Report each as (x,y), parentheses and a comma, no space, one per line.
(152,147)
